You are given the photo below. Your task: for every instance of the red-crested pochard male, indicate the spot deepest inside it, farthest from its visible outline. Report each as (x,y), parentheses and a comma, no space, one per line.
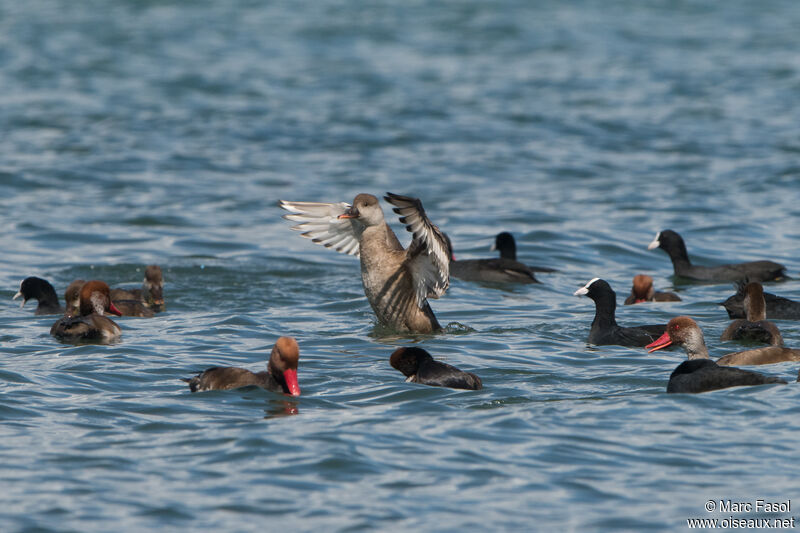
(503,269)
(90,324)
(151,294)
(778,307)
(755,327)
(33,288)
(419,367)
(643,291)
(397,281)
(699,373)
(672,243)
(281,374)
(605,329)
(135,308)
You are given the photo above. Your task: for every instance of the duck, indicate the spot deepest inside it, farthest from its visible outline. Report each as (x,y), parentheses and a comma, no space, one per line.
(643,291)
(766,355)
(704,375)
(397,282)
(151,294)
(419,367)
(42,291)
(755,327)
(281,374)
(699,373)
(605,330)
(91,324)
(778,307)
(673,244)
(136,308)
(72,297)
(495,270)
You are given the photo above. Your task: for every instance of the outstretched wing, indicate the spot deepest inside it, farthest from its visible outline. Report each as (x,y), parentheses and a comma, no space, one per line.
(428,255)
(320,222)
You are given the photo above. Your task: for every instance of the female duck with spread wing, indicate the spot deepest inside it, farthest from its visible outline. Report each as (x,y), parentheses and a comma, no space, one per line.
(397,281)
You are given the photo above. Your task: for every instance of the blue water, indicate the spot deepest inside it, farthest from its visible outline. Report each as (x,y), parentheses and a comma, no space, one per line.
(138,132)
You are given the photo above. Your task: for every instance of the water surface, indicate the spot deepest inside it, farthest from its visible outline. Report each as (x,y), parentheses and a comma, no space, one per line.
(139,132)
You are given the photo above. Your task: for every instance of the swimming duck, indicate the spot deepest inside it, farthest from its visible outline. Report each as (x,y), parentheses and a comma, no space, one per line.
(755,327)
(397,281)
(643,291)
(699,373)
(91,324)
(151,294)
(281,374)
(419,367)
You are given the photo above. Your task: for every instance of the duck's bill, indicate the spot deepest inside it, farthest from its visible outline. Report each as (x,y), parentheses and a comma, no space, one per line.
(350,212)
(290,376)
(113,309)
(662,342)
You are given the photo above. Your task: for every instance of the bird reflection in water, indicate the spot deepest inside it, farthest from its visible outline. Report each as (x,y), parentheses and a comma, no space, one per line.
(278,408)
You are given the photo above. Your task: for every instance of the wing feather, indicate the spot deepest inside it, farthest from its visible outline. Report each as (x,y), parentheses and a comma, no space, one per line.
(428,255)
(320,222)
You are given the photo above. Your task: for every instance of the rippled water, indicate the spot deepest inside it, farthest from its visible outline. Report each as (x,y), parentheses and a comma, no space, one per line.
(137,132)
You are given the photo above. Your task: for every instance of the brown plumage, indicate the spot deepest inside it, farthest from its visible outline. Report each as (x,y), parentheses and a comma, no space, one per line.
(90,324)
(72,297)
(643,291)
(397,282)
(281,374)
(755,327)
(134,308)
(760,356)
(151,294)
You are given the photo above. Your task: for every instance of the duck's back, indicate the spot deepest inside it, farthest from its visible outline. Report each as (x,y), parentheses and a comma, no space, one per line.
(761,331)
(134,308)
(440,374)
(760,356)
(703,375)
(224,378)
(92,327)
